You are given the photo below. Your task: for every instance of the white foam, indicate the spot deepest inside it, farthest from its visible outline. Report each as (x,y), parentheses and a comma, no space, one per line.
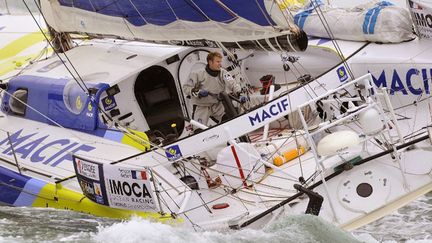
(367,238)
(304,228)
(11,239)
(75,237)
(5,221)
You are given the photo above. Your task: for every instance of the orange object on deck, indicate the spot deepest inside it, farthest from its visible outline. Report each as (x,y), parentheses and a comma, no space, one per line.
(288,155)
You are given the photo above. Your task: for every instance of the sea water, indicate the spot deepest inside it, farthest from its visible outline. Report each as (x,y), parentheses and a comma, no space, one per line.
(412,223)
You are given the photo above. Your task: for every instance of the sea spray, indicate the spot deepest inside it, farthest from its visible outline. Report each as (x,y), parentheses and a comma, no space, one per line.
(296,228)
(29,225)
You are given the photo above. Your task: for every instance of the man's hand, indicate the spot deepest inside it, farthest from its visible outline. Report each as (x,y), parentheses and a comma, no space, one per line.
(200,93)
(243,99)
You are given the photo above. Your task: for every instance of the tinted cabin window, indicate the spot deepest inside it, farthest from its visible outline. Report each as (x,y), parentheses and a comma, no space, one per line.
(17,107)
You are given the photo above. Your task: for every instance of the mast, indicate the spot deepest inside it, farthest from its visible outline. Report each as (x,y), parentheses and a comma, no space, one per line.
(61,41)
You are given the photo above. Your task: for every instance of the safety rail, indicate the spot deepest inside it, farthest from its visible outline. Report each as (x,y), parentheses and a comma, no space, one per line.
(368,95)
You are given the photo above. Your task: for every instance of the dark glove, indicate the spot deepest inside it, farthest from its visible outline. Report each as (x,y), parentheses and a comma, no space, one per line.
(202,93)
(199,93)
(243,99)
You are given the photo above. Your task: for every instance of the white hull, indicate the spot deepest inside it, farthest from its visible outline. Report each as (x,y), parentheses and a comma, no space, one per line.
(394,183)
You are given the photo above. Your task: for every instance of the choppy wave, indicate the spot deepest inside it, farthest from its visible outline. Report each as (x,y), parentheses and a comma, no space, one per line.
(410,224)
(47,225)
(299,228)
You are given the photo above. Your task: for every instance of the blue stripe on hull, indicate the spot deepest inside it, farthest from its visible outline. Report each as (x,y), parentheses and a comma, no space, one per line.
(30,192)
(11,184)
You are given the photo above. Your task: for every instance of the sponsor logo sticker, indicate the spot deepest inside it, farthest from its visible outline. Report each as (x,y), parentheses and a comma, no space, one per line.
(173,153)
(342,74)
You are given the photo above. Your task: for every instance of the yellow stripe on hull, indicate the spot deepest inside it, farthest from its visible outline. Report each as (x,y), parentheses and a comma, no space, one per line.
(58,197)
(9,60)
(137,140)
(12,49)
(13,63)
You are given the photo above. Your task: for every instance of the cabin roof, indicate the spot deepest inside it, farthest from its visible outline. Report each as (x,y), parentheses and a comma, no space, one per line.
(108,61)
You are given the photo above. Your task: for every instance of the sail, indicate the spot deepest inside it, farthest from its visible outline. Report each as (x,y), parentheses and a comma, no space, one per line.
(380,21)
(217,20)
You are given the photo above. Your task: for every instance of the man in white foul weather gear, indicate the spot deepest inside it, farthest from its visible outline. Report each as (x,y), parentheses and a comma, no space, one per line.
(205,86)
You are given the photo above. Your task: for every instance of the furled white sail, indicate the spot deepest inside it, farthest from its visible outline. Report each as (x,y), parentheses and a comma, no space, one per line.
(217,20)
(376,21)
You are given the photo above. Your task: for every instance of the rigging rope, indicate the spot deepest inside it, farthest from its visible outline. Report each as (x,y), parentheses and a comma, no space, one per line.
(327,28)
(83,86)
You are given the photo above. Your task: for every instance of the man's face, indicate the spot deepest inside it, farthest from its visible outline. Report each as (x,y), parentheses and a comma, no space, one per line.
(215,64)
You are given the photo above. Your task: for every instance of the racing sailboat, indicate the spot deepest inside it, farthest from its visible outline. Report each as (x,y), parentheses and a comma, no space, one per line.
(100,128)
